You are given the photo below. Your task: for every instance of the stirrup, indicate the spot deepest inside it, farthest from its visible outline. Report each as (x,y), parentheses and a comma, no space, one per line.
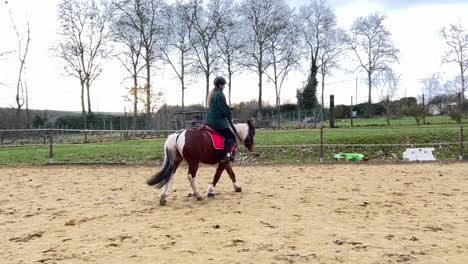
(228,157)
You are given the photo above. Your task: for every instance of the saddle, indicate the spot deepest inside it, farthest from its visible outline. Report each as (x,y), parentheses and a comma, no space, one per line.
(216,138)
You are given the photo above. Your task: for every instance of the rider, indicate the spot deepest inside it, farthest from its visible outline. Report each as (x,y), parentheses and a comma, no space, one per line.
(218,116)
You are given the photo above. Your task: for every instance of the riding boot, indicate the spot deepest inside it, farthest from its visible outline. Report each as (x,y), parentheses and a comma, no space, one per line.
(228,153)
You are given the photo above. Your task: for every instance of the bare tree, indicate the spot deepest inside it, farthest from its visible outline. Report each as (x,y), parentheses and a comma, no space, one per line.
(230,42)
(259,17)
(145,17)
(282,49)
(431,86)
(452,87)
(373,47)
(83,45)
(207,20)
(177,48)
(387,83)
(332,49)
(124,33)
(456,37)
(317,22)
(22,52)
(2,54)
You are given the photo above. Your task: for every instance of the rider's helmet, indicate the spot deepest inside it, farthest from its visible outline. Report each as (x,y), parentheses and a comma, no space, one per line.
(219,81)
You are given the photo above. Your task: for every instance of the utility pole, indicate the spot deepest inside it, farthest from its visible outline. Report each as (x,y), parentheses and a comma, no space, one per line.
(356,89)
(424,110)
(351,114)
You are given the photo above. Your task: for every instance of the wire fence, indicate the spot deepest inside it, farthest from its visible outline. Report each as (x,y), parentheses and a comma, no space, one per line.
(37,146)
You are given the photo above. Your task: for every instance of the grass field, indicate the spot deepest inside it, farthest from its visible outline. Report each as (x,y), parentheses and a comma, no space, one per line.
(272,146)
(404,121)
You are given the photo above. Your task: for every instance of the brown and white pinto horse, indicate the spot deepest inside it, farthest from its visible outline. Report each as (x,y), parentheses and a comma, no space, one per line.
(195,146)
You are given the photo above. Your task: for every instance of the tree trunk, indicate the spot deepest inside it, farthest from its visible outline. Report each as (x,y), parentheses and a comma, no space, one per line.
(183,94)
(323,91)
(182,79)
(369,102)
(28,119)
(332,111)
(89,96)
(19,124)
(260,81)
(18,99)
(313,75)
(135,98)
(83,107)
(230,81)
(207,77)
(148,89)
(462,97)
(387,110)
(278,104)
(462,68)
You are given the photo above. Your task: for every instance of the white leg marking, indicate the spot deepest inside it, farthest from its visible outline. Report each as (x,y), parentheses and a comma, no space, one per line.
(167,188)
(194,186)
(210,189)
(236,186)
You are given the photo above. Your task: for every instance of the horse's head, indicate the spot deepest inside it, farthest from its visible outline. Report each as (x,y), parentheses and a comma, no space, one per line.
(247,134)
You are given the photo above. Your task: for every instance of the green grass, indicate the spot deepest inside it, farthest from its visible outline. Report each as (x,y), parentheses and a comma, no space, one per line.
(135,152)
(403,135)
(294,145)
(404,121)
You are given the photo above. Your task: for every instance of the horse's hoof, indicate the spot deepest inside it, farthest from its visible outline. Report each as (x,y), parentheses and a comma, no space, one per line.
(239,189)
(210,195)
(162,202)
(199,198)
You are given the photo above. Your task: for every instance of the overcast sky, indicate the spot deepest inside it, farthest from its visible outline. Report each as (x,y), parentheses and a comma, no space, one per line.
(414,24)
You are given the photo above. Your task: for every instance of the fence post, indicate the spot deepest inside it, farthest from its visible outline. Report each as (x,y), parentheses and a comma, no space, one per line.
(51,146)
(321,143)
(85,136)
(460,157)
(332,111)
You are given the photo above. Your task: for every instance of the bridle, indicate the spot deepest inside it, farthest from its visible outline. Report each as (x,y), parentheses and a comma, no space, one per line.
(235,132)
(237,135)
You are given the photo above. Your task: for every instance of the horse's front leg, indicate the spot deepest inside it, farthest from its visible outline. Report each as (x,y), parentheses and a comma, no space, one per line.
(211,189)
(192,174)
(232,175)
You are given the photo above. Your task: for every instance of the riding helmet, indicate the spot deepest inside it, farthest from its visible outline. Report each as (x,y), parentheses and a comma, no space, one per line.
(219,81)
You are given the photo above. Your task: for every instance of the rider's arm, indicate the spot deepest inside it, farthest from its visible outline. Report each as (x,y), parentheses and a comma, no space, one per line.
(225,108)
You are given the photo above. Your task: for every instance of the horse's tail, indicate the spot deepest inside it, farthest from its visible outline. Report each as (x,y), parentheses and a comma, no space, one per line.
(164,175)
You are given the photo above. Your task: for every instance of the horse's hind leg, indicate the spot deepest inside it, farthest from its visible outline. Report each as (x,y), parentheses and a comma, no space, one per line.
(232,175)
(210,191)
(168,185)
(192,174)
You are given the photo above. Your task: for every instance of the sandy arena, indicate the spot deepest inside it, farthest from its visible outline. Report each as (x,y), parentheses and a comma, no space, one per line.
(285,214)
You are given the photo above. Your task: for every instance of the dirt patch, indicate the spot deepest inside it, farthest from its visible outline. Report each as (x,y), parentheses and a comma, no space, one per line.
(285,214)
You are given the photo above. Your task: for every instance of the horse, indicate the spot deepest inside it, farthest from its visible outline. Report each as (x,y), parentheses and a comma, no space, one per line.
(195,146)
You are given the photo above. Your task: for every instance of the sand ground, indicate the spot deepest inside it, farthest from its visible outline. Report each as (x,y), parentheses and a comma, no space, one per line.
(285,214)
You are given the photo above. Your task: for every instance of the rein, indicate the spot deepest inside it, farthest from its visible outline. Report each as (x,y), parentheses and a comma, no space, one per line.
(235,132)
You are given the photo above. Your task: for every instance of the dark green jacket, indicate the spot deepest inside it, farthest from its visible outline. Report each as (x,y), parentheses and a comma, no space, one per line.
(218,110)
